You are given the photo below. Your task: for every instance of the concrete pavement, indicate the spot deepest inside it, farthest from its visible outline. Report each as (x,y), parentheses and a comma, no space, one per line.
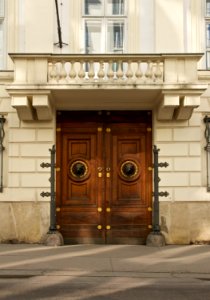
(95,271)
(109,260)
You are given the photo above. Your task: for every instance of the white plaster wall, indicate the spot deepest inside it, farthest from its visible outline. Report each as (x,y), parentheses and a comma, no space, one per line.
(184,213)
(181,144)
(39,26)
(147,26)
(169,36)
(153,26)
(27,147)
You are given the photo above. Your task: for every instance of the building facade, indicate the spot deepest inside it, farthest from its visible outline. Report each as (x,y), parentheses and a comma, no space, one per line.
(104,81)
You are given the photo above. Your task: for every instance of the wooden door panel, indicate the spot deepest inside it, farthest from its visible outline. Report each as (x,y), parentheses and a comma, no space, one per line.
(104,187)
(129,193)
(76,190)
(130,190)
(129,197)
(79,198)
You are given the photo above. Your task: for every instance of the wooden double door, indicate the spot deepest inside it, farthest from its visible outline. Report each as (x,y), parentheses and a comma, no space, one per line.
(104,178)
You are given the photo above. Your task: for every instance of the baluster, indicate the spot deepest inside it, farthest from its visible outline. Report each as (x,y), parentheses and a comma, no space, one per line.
(81,73)
(110,73)
(53,73)
(139,74)
(129,73)
(63,73)
(72,73)
(91,72)
(148,73)
(119,73)
(158,72)
(101,72)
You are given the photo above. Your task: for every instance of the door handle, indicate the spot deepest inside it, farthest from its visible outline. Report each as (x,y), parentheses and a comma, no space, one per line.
(100,174)
(108,174)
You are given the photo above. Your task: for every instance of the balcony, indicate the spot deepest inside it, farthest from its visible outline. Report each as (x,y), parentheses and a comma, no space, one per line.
(165,83)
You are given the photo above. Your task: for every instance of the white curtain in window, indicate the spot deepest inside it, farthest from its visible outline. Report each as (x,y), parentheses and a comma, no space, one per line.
(93,36)
(93,7)
(115,7)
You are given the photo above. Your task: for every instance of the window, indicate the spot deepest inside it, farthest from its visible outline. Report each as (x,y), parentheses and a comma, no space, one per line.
(207,19)
(1,33)
(104,26)
(208,8)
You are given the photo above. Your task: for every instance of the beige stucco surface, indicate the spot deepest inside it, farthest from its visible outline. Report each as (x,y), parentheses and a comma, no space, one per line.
(185,222)
(23,222)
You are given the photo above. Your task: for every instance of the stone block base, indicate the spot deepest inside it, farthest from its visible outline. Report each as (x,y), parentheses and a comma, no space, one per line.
(155,240)
(53,239)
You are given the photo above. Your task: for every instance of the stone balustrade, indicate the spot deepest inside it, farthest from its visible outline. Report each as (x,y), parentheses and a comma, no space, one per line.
(116,69)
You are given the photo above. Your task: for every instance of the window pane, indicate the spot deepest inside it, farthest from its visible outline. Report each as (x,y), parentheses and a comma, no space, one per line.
(208,7)
(115,36)
(208,59)
(207,35)
(115,7)
(1,8)
(93,7)
(93,36)
(1,46)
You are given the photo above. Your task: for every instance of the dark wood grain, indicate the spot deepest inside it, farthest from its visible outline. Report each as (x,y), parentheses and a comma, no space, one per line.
(103,141)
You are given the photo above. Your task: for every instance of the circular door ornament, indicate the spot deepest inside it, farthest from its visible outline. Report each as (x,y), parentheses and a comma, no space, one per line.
(129,170)
(78,170)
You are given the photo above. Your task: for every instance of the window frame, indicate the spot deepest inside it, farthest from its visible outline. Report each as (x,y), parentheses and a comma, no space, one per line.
(105,10)
(2,23)
(105,21)
(207,22)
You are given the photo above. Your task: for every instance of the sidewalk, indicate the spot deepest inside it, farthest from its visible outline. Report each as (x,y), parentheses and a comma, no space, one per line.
(24,260)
